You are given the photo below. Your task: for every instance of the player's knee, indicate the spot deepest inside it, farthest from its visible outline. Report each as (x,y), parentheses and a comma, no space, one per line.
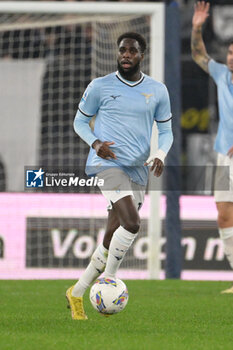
(223,218)
(225,214)
(132,226)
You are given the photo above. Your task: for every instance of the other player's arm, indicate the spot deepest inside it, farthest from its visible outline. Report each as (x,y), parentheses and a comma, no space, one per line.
(199,53)
(165,140)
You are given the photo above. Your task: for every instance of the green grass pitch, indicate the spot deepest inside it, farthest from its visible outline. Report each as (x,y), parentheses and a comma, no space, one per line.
(163,315)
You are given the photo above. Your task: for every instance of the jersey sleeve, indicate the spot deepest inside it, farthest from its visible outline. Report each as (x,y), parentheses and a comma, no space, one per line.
(90,100)
(82,128)
(216,69)
(163,109)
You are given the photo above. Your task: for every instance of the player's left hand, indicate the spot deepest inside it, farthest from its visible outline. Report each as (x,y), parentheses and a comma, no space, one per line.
(230,152)
(157,165)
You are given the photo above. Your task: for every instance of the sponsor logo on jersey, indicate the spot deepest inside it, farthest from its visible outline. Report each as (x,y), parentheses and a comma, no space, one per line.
(115,97)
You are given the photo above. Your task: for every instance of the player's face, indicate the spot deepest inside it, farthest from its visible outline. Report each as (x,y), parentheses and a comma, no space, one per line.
(230,58)
(129,56)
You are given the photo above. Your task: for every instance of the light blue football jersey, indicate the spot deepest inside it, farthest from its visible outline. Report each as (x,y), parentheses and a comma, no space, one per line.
(125,112)
(222,77)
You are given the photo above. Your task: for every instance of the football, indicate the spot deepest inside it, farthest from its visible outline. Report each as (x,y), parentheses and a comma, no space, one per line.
(109,296)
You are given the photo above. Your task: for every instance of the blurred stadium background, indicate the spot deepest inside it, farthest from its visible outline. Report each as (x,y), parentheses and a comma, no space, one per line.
(46,61)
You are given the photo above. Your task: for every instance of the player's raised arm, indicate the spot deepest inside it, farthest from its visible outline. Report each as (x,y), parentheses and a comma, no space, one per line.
(199,54)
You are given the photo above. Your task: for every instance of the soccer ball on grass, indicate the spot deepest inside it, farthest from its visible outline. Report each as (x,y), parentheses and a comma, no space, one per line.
(109,296)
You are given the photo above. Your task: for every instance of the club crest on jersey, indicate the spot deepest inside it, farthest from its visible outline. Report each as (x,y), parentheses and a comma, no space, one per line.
(147,97)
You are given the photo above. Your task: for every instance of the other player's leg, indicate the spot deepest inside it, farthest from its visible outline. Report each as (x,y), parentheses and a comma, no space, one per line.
(224,203)
(225,224)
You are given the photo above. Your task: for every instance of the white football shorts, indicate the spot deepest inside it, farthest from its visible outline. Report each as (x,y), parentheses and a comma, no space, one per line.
(117,185)
(222,178)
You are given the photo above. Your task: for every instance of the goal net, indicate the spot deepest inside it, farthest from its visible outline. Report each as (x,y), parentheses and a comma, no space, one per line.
(49,52)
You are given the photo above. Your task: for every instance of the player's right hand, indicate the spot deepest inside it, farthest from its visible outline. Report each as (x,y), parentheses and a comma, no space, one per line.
(102,149)
(201,12)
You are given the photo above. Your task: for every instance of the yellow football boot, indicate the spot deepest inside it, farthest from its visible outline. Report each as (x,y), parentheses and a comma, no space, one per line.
(228,291)
(76,305)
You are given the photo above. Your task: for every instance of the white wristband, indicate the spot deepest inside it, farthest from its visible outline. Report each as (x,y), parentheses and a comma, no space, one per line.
(159,154)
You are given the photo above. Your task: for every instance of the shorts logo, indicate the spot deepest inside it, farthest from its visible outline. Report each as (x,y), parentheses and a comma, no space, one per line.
(35,178)
(117,189)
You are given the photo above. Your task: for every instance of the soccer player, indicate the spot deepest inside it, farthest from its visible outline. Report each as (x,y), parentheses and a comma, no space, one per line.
(126,104)
(223,77)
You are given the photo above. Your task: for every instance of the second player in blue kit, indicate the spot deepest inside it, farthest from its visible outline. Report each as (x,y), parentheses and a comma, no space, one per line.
(223,77)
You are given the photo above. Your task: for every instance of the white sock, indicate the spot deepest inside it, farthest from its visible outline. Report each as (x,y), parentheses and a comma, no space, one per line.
(93,270)
(120,243)
(227,236)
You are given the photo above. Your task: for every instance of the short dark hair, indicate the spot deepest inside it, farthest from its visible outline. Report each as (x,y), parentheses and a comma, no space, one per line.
(136,36)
